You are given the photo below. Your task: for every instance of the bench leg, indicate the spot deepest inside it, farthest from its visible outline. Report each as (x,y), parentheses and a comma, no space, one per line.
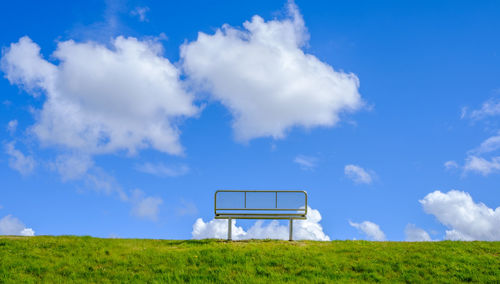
(291,229)
(229,225)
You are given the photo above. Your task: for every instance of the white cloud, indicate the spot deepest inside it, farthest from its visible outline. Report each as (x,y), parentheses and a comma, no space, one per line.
(261,74)
(216,229)
(163,170)
(306,162)
(415,234)
(450,165)
(144,206)
(100,99)
(358,174)
(489,145)
(141,13)
(309,229)
(28,232)
(12,126)
(370,229)
(489,108)
(481,165)
(466,219)
(481,160)
(18,161)
(10,225)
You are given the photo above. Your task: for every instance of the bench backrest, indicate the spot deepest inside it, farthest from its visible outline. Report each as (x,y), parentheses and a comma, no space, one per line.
(261,204)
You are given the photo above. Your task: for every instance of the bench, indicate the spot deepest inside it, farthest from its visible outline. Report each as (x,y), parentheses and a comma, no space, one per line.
(260,204)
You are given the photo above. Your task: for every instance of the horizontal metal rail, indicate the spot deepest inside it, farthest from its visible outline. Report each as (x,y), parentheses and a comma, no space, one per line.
(262,209)
(261,217)
(256,214)
(231,190)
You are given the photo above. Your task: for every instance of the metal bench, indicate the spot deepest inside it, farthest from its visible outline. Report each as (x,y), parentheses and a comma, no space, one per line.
(260,204)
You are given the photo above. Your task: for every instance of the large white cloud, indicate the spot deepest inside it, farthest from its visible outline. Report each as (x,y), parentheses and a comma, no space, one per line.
(370,229)
(102,99)
(262,75)
(466,219)
(309,229)
(10,225)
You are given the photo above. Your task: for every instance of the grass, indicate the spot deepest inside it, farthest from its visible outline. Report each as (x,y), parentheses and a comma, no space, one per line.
(85,259)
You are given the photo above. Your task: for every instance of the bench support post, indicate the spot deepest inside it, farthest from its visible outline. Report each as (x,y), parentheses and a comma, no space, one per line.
(291,229)
(229,225)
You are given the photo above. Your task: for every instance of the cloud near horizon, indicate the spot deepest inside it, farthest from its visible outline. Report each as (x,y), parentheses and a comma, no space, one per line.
(466,219)
(309,229)
(10,225)
(415,234)
(370,229)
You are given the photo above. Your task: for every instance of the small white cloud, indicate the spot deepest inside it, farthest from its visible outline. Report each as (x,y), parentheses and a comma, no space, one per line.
(263,76)
(370,229)
(141,13)
(358,174)
(309,229)
(144,206)
(463,112)
(10,225)
(489,145)
(12,126)
(306,162)
(482,159)
(481,165)
(466,219)
(449,165)
(18,161)
(415,234)
(163,170)
(489,108)
(28,232)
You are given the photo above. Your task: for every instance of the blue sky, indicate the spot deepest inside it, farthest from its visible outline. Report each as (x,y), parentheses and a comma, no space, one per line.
(98,140)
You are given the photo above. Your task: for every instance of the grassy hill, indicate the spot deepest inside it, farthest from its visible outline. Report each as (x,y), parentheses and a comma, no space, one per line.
(85,259)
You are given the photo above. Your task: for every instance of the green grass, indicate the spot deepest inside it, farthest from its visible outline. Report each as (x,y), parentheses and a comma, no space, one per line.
(85,259)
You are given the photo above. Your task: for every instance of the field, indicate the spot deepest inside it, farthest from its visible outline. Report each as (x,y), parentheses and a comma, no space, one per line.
(86,259)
